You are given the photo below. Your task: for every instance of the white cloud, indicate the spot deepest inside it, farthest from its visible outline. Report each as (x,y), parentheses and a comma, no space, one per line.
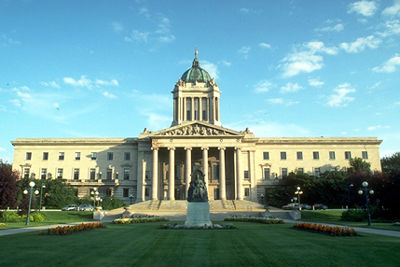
(275,100)
(164,31)
(167,38)
(262,86)
(332,28)
(264,45)
(315,82)
(244,10)
(7,41)
(157,121)
(50,84)
(225,63)
(244,51)
(361,43)
(340,98)
(113,82)
(365,8)
(144,12)
(389,66)
(392,27)
(291,88)
(16,102)
(137,36)
(281,101)
(377,127)
(117,27)
(211,68)
(109,95)
(392,10)
(82,82)
(23,95)
(56,105)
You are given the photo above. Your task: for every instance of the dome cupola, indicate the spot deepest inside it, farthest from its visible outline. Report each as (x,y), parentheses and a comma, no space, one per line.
(195,73)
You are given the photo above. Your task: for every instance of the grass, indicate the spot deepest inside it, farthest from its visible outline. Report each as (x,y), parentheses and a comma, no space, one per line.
(334,217)
(147,245)
(54,217)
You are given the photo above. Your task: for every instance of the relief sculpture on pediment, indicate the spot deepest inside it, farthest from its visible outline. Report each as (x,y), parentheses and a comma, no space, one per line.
(195,129)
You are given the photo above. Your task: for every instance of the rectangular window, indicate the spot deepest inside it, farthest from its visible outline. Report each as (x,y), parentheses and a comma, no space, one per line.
(125,192)
(300,170)
(61,156)
(59,173)
(43,175)
(77,155)
(347,155)
(317,171)
(76,174)
(267,173)
(284,172)
(246,174)
(127,156)
(266,155)
(299,155)
(45,155)
(364,155)
(126,173)
(315,155)
(146,192)
(92,174)
(110,155)
(215,171)
(28,156)
(109,174)
(26,173)
(332,155)
(93,156)
(247,192)
(283,155)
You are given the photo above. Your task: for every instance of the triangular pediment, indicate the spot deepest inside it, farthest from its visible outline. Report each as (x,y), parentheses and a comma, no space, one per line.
(196,129)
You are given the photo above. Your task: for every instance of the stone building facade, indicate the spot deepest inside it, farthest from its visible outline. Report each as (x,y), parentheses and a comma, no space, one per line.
(157,165)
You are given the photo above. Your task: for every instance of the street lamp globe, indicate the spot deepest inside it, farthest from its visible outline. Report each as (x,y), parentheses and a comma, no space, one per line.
(360,192)
(25,192)
(36,192)
(365,184)
(371,192)
(298,188)
(31,184)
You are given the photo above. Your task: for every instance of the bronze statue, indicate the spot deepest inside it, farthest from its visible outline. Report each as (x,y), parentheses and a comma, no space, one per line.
(197,189)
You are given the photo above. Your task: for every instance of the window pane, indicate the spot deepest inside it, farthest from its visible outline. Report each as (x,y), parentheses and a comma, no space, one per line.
(45,155)
(127,156)
(61,156)
(283,155)
(299,155)
(110,155)
(94,156)
(332,155)
(315,155)
(266,155)
(365,155)
(28,155)
(267,174)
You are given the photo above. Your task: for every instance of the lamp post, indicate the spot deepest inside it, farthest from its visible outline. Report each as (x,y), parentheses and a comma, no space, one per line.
(298,193)
(95,196)
(366,191)
(41,195)
(31,185)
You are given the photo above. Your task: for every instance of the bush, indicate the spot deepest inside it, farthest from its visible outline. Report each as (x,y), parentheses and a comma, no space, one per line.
(110,203)
(37,217)
(354,215)
(11,216)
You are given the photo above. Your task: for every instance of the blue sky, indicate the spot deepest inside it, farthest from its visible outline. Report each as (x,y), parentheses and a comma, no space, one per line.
(285,68)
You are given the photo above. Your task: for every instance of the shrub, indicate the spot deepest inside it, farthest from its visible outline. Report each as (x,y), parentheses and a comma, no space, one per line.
(354,215)
(65,230)
(11,216)
(264,220)
(110,203)
(326,229)
(37,217)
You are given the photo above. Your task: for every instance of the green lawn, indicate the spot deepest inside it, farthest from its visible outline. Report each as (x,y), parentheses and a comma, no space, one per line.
(54,217)
(250,245)
(333,216)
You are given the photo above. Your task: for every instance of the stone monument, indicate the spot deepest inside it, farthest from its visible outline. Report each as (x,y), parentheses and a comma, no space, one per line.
(198,208)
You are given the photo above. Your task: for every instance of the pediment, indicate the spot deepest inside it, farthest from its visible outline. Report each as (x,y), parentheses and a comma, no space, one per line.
(196,129)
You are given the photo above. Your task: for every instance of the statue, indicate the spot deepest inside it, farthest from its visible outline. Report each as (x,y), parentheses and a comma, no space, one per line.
(197,189)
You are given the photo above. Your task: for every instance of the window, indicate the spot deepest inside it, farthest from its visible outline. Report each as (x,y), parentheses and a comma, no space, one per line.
(146,192)
(284,172)
(125,192)
(347,155)
(299,155)
(188,109)
(315,155)
(332,155)
(43,175)
(246,174)
(283,155)
(61,156)
(109,174)
(247,192)
(59,173)
(267,173)
(93,156)
(266,155)
(364,155)
(76,174)
(45,155)
(300,170)
(92,174)
(77,155)
(110,155)
(126,173)
(28,156)
(317,171)
(26,172)
(127,156)
(215,171)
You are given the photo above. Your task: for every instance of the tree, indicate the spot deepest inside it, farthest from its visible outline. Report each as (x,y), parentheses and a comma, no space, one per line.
(391,165)
(360,165)
(8,186)
(59,194)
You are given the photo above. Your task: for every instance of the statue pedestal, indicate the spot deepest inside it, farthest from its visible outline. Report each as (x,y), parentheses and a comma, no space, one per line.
(198,214)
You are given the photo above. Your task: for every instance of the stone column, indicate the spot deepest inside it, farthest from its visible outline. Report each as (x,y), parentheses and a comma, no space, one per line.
(239,175)
(171,181)
(154,183)
(222,182)
(140,197)
(188,168)
(205,165)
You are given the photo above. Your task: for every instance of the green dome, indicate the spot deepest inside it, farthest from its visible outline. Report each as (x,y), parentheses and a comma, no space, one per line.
(196,74)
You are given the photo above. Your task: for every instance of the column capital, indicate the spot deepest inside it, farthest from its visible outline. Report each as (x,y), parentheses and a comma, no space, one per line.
(188,148)
(238,148)
(171,148)
(222,148)
(155,148)
(205,148)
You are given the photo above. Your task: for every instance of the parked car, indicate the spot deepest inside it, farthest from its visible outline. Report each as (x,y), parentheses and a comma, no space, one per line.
(305,206)
(320,206)
(86,207)
(70,207)
(291,206)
